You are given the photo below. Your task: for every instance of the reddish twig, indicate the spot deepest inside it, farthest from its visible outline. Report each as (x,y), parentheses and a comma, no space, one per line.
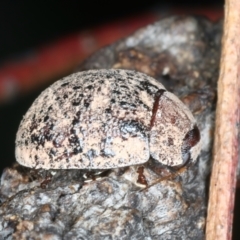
(225,157)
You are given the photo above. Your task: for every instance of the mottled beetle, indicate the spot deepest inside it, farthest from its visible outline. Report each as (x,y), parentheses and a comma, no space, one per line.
(103,119)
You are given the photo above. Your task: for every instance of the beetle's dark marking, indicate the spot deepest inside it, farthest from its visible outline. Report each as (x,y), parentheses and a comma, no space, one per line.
(108,110)
(117,92)
(47,135)
(76,103)
(76,87)
(158,95)
(51,126)
(189,141)
(33,126)
(86,103)
(173,119)
(46,118)
(136,92)
(77,150)
(130,74)
(64,84)
(124,86)
(91,154)
(140,88)
(149,87)
(192,137)
(143,104)
(89,87)
(75,121)
(127,105)
(107,152)
(78,113)
(39,140)
(52,152)
(73,140)
(170,142)
(75,143)
(134,128)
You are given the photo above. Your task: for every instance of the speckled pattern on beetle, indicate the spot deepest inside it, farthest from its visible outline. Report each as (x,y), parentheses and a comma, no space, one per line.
(102,119)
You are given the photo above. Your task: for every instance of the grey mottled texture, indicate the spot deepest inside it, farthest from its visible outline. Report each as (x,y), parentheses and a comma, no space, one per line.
(117,205)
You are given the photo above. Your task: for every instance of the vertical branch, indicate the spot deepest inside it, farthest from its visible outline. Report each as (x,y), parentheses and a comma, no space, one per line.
(225,156)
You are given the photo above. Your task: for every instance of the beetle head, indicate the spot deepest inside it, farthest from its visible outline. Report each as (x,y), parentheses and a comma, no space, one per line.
(174,135)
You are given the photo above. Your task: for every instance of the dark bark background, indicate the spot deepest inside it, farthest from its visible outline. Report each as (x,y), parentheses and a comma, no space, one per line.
(26,24)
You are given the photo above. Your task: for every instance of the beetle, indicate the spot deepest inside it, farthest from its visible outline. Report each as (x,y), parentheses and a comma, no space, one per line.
(104,119)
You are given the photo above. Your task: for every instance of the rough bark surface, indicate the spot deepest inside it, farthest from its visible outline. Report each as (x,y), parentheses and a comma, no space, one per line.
(182,53)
